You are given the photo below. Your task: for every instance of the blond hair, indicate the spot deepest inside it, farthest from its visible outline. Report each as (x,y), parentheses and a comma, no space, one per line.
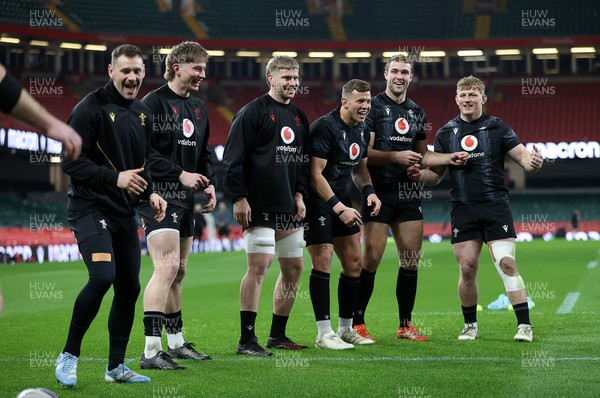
(470,83)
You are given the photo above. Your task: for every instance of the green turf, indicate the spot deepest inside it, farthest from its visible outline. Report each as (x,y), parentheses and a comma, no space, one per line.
(564,359)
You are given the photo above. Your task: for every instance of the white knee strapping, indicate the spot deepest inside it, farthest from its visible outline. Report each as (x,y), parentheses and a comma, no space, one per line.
(260,240)
(500,250)
(291,246)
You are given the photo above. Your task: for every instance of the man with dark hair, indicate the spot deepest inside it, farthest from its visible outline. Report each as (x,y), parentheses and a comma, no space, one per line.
(181,164)
(480,209)
(266,176)
(338,149)
(108,180)
(397,140)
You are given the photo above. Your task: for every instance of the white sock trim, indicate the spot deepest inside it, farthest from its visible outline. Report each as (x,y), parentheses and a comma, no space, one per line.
(153,346)
(344,325)
(175,340)
(324,327)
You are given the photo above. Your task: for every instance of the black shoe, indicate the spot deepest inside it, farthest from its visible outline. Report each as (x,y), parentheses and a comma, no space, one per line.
(252,348)
(162,360)
(284,343)
(187,351)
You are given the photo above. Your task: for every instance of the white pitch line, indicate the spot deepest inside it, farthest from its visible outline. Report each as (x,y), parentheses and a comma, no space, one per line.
(568,303)
(592,264)
(344,359)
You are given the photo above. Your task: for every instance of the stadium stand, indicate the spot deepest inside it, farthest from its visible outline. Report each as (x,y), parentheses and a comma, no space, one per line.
(404,23)
(554,106)
(132,16)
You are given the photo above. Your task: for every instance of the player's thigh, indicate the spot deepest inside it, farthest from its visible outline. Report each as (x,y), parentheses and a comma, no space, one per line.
(375,240)
(185,244)
(408,235)
(467,253)
(347,248)
(164,249)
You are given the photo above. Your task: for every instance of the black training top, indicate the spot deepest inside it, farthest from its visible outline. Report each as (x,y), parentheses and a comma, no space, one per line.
(487,140)
(342,146)
(116,137)
(265,157)
(179,141)
(396,127)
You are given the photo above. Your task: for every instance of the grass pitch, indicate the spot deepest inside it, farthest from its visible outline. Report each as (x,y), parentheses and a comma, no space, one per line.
(563,360)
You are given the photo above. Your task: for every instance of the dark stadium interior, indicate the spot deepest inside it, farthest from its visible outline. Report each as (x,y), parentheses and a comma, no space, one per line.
(548,98)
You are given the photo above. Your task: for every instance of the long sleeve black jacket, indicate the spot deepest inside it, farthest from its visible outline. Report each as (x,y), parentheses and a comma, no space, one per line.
(116,137)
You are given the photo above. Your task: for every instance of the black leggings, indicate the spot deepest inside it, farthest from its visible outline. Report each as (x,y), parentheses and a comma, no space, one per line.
(122,271)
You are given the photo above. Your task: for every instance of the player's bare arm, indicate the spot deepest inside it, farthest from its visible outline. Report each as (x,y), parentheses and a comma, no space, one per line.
(242,211)
(210,194)
(193,180)
(132,181)
(159,205)
(299,206)
(530,161)
(430,176)
(431,158)
(362,178)
(347,215)
(383,158)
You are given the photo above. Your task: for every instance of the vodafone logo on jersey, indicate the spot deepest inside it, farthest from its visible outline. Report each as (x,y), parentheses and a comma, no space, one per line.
(401,125)
(188,127)
(287,135)
(469,142)
(354,151)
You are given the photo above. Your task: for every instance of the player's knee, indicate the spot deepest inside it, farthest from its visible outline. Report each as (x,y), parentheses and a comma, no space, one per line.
(409,259)
(321,262)
(180,275)
(257,270)
(468,270)
(293,270)
(509,266)
(166,272)
(352,266)
(134,290)
(503,253)
(371,260)
(102,281)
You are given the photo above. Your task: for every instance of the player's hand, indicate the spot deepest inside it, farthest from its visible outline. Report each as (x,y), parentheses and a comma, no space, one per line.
(70,139)
(414,173)
(132,182)
(350,216)
(242,212)
(299,207)
(407,158)
(537,160)
(159,205)
(374,203)
(212,199)
(459,158)
(194,181)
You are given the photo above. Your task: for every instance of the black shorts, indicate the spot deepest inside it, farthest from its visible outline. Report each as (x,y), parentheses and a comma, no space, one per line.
(491,220)
(396,205)
(176,219)
(276,221)
(323,224)
(94,223)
